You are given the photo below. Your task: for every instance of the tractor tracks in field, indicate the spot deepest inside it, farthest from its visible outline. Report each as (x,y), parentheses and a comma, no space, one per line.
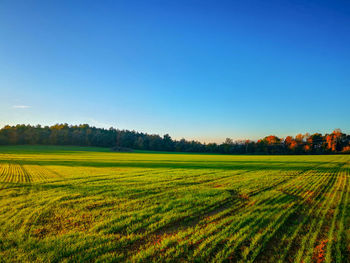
(294,235)
(263,227)
(235,203)
(230,206)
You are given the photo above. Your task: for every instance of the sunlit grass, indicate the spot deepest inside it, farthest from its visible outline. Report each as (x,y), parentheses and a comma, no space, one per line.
(89,204)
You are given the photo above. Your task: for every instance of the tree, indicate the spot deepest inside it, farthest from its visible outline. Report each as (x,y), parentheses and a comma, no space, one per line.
(85,135)
(168,143)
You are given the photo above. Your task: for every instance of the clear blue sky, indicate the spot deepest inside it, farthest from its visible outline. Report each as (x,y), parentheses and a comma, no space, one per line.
(195,69)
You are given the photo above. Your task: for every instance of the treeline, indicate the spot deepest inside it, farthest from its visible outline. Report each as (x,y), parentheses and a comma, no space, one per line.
(85,135)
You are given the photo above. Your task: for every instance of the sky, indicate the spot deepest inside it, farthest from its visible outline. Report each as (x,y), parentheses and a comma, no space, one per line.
(204,70)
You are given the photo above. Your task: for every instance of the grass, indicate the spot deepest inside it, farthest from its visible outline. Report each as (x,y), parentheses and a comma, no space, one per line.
(88,204)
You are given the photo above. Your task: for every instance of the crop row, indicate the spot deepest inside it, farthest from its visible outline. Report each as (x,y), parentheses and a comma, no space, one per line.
(241,234)
(14,172)
(96,207)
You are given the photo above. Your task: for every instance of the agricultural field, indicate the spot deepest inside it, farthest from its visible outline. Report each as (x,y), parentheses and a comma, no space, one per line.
(88,204)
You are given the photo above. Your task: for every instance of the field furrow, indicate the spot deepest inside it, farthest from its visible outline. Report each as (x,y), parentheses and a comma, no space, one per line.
(140,207)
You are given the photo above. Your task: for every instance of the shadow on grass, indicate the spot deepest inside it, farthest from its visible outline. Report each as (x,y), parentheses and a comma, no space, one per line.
(219,165)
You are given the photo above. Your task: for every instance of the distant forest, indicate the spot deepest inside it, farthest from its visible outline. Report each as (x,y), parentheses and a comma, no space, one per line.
(85,135)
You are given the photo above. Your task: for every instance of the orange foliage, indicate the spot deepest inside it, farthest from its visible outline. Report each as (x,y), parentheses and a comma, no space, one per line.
(293,145)
(320,252)
(307,148)
(346,149)
(332,140)
(272,139)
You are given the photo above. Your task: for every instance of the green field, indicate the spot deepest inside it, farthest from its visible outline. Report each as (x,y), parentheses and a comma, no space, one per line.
(88,204)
